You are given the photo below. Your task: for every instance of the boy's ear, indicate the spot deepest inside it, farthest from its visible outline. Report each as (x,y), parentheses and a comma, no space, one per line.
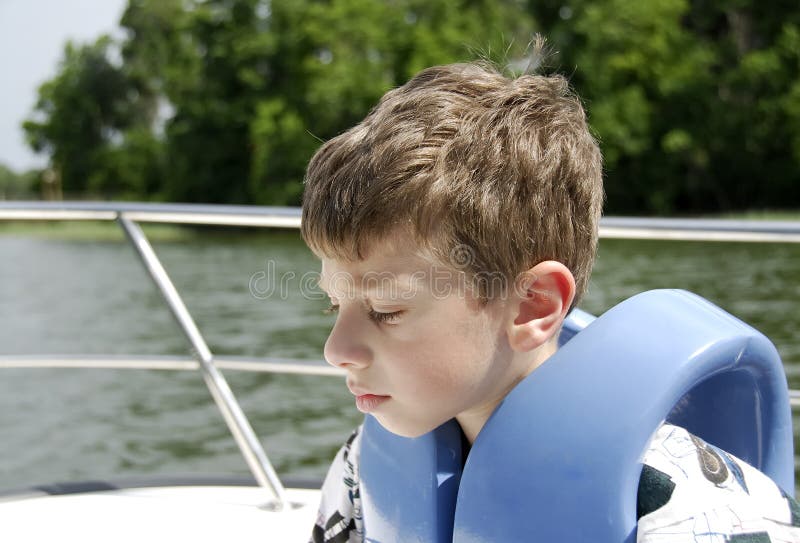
(541,299)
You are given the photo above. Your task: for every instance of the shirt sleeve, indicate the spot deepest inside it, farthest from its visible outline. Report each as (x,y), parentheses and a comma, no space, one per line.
(691,491)
(339,515)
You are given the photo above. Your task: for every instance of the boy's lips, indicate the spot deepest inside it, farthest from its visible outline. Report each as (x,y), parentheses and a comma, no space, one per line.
(358,390)
(366,402)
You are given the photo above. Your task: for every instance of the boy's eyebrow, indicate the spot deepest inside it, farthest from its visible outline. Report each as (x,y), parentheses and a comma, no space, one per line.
(323,283)
(370,282)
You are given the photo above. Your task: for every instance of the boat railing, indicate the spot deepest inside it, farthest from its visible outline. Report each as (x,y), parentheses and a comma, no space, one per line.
(129,215)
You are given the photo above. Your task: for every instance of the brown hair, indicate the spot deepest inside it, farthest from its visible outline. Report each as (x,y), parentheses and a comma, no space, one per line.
(503,170)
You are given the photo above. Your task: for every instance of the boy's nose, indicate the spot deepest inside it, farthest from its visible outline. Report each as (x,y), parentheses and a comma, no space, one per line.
(343,350)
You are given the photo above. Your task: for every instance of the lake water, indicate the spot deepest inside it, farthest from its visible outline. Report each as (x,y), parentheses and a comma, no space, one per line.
(81,297)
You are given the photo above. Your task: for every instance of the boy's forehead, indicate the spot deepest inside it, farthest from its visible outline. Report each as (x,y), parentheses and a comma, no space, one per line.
(381,266)
(395,259)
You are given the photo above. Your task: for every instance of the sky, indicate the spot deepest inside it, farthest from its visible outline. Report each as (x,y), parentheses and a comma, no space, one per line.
(32,38)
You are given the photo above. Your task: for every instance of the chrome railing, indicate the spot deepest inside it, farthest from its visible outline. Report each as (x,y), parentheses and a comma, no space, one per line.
(275,217)
(700,229)
(129,214)
(282,217)
(174,363)
(234,417)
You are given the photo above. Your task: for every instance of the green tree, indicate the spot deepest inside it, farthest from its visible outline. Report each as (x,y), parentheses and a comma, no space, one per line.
(693,102)
(646,75)
(15,185)
(81,114)
(253,86)
(333,60)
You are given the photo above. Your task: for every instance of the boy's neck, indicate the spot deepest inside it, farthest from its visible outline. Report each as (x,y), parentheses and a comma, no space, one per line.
(472,421)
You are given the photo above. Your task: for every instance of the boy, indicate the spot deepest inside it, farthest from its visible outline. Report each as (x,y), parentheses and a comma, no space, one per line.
(457,226)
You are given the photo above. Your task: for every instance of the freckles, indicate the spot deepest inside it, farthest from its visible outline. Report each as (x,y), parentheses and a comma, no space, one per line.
(435,364)
(474,330)
(464,328)
(466,324)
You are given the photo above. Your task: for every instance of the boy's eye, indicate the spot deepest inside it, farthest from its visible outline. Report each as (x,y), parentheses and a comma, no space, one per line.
(375,316)
(379,317)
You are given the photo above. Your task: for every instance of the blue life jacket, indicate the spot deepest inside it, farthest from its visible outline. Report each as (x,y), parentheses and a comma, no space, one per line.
(559,460)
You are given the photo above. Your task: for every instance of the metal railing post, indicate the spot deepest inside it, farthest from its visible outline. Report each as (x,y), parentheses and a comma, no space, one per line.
(235,418)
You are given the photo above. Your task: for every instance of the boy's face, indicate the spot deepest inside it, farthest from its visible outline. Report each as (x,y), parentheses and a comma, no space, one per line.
(417,349)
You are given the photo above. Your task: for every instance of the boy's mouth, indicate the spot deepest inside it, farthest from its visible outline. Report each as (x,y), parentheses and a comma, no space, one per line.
(366,403)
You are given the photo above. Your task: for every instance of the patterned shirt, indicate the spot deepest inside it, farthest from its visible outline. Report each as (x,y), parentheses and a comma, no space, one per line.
(689,492)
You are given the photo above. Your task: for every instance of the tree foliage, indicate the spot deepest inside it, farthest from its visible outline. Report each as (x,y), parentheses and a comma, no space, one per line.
(15,186)
(81,118)
(696,103)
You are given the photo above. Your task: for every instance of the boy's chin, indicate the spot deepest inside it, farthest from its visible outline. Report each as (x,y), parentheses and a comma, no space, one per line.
(405,428)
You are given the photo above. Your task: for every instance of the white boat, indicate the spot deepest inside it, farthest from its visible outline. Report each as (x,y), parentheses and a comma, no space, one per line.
(211,512)
(260,508)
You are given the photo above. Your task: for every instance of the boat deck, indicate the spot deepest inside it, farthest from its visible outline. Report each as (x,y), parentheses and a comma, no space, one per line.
(169,513)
